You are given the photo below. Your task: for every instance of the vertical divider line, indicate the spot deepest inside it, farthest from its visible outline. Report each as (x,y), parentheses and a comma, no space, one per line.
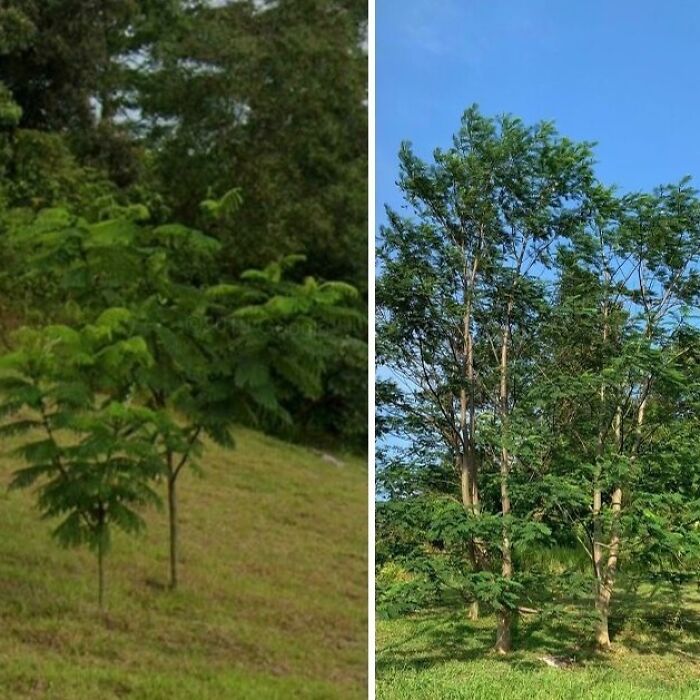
(371,226)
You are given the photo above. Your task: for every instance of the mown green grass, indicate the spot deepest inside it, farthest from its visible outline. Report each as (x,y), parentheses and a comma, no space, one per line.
(442,655)
(273,597)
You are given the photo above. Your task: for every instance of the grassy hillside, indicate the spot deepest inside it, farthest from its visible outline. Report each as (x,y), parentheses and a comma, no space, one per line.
(442,655)
(273,599)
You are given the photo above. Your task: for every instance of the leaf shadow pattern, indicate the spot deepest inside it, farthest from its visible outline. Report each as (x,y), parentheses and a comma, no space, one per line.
(562,636)
(640,624)
(436,638)
(439,637)
(662,630)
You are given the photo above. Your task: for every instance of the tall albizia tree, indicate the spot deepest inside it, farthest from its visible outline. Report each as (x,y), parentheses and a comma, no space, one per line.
(621,382)
(459,299)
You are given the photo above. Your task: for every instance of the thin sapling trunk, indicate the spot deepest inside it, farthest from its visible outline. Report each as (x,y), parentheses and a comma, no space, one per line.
(172,522)
(173,471)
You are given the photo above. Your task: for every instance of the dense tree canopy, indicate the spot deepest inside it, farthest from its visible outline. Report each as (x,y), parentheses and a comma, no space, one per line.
(536,339)
(268,98)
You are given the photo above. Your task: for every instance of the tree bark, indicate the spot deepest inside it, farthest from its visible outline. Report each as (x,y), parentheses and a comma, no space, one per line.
(100,575)
(602,597)
(172,521)
(504,637)
(470,489)
(468,506)
(602,604)
(466,483)
(470,444)
(505,616)
(467,420)
(606,585)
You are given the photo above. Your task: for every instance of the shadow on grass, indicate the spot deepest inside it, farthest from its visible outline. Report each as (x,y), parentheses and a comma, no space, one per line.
(666,624)
(441,637)
(436,638)
(156,585)
(644,624)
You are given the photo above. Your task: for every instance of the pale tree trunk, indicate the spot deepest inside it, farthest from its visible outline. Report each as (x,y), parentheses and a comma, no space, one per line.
(465,472)
(606,576)
(505,616)
(470,447)
(469,475)
(604,572)
(607,585)
(474,546)
(602,636)
(468,503)
(597,492)
(469,482)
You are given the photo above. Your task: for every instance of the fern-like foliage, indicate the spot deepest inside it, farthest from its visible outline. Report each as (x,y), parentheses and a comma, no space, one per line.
(88,450)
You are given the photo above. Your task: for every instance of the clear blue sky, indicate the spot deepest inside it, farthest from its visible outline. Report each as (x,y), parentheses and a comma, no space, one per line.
(625,74)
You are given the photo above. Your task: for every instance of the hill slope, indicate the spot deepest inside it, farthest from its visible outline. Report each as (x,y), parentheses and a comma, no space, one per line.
(273,598)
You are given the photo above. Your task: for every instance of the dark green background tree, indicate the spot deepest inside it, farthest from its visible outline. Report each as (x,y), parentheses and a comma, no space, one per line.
(104,102)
